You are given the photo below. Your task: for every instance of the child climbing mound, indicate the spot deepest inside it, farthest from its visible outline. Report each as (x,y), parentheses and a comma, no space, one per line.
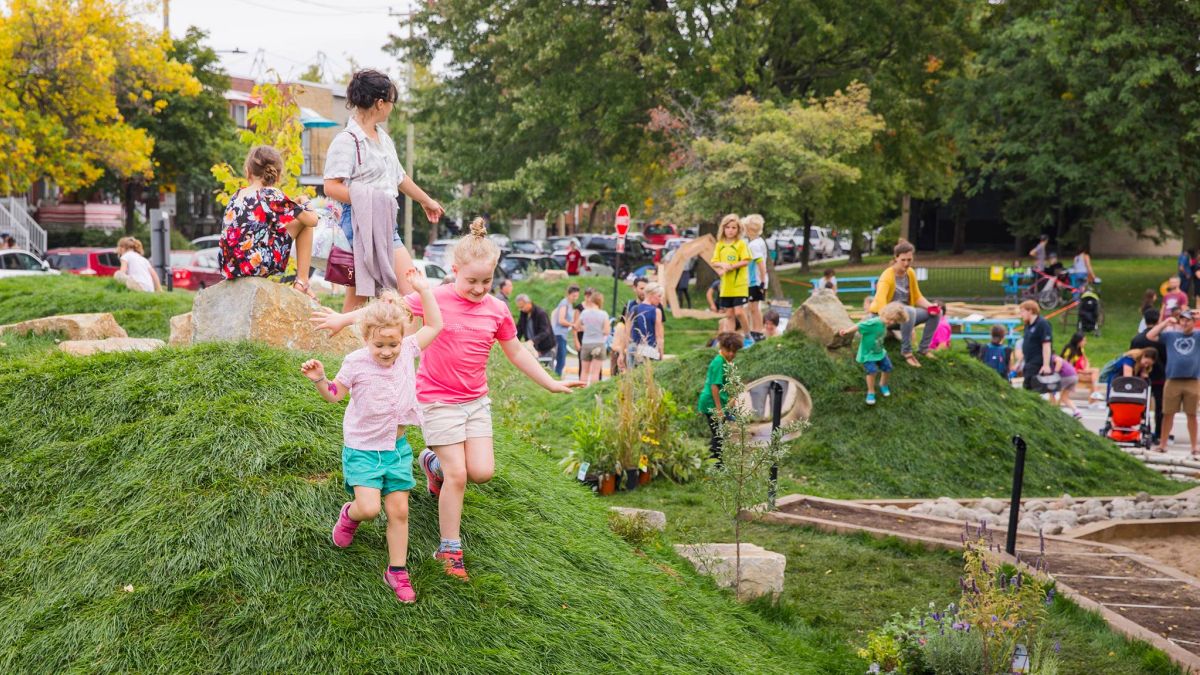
(376,457)
(452,386)
(713,397)
(871,353)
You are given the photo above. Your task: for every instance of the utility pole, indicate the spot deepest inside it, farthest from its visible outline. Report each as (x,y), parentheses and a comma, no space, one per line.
(167,17)
(410,146)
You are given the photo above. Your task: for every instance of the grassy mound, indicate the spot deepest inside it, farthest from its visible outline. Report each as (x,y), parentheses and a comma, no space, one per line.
(945,430)
(140,314)
(171,511)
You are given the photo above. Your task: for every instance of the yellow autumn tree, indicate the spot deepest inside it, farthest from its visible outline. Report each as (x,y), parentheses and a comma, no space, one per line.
(67,70)
(275,122)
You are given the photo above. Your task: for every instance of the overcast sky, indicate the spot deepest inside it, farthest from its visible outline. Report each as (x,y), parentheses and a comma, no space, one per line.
(288,35)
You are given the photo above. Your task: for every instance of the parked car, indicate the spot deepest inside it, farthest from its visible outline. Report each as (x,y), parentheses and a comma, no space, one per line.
(88,261)
(196,270)
(436,252)
(672,247)
(17,263)
(518,266)
(635,254)
(659,233)
(556,243)
(432,272)
(823,243)
(597,266)
(787,244)
(210,241)
(502,241)
(527,246)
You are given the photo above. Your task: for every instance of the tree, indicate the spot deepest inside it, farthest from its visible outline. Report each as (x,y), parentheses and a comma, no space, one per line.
(783,161)
(1088,112)
(275,122)
(65,69)
(190,135)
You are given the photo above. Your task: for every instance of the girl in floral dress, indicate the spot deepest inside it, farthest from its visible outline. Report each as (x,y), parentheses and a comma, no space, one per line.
(261,223)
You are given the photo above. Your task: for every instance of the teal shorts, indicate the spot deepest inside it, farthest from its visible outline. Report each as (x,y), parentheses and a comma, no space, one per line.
(385,470)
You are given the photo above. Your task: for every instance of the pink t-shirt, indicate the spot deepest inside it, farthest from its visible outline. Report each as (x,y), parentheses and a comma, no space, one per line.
(381,397)
(454,367)
(941,335)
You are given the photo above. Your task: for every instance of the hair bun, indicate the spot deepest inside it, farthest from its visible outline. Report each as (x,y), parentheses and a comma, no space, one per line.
(478,228)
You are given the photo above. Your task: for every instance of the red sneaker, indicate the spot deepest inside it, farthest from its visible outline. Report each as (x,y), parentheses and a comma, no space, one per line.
(400,583)
(432,481)
(343,530)
(453,562)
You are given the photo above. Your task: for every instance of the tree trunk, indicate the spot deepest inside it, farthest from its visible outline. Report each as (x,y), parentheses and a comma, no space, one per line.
(806,252)
(1190,228)
(905,216)
(128,203)
(960,225)
(591,216)
(856,252)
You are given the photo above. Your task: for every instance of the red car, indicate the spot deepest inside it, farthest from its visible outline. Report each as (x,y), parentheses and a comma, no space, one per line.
(195,270)
(100,262)
(658,234)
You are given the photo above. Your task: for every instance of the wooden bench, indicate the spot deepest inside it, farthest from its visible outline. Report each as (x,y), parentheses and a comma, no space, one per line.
(980,330)
(848,284)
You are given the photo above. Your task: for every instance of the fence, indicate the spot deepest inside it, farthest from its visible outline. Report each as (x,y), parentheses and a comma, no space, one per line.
(15,219)
(961,283)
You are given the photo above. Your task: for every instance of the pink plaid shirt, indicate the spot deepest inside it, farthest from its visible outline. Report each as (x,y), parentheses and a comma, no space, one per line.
(381,398)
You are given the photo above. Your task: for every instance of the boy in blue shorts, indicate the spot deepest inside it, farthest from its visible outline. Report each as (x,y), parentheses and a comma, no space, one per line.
(871,353)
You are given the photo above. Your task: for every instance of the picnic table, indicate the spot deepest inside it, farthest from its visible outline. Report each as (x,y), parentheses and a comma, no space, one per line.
(848,284)
(981,329)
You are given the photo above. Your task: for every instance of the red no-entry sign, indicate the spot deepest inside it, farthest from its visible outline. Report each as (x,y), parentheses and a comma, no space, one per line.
(622,220)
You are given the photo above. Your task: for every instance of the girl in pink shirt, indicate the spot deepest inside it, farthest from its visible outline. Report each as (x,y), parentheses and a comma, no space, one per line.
(452,382)
(376,457)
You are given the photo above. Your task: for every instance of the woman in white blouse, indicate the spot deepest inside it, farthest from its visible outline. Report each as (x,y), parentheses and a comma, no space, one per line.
(364,153)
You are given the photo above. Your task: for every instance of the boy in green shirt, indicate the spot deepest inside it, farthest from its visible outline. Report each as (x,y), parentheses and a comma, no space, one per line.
(713,397)
(871,353)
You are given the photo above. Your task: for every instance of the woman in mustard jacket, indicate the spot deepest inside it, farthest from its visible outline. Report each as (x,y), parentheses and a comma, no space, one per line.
(898,283)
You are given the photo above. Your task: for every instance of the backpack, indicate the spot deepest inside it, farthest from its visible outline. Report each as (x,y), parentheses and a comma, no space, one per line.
(996,357)
(1106,373)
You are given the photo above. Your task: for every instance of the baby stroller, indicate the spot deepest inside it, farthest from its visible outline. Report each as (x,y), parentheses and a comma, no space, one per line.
(1128,421)
(1090,312)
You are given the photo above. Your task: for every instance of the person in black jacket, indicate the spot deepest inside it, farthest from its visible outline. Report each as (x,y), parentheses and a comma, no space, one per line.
(1158,374)
(534,325)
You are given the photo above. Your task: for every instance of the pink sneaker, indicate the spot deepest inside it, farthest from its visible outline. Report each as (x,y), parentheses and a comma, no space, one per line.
(432,480)
(343,531)
(400,583)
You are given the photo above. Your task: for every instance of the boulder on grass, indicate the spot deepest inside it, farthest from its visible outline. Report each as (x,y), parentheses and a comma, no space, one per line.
(181,330)
(75,326)
(761,570)
(89,347)
(821,317)
(654,520)
(263,311)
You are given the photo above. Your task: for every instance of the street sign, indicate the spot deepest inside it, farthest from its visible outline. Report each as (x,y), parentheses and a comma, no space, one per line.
(622,220)
(621,243)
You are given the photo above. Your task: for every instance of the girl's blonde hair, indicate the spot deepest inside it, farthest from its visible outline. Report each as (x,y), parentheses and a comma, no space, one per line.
(264,163)
(654,289)
(596,299)
(389,311)
(753,225)
(130,244)
(733,217)
(893,313)
(475,246)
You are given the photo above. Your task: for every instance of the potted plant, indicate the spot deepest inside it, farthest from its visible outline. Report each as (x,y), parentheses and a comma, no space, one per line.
(593,460)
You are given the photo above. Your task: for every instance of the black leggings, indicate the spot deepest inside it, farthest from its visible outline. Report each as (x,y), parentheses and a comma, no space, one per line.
(1156,391)
(714,444)
(683,295)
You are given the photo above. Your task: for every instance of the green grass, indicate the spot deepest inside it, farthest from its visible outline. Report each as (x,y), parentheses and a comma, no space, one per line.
(140,314)
(207,479)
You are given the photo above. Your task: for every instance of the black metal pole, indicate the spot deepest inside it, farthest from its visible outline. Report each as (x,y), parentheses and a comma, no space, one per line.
(616,280)
(776,390)
(1014,509)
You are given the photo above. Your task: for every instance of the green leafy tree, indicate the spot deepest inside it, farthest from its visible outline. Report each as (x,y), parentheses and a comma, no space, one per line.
(783,161)
(275,122)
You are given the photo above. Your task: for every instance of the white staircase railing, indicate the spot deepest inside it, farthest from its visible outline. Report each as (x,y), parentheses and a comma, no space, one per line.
(15,219)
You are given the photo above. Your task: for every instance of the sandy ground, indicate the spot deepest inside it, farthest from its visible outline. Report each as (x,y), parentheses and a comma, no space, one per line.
(1181,551)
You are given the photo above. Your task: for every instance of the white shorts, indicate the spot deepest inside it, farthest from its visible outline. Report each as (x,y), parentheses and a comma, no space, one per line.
(451,423)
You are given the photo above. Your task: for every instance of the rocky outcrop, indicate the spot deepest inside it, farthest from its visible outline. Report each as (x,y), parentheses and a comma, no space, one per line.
(116,344)
(181,330)
(821,317)
(263,311)
(761,570)
(75,326)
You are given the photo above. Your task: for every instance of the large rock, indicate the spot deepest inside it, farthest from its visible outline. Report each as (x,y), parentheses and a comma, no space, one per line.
(654,520)
(75,326)
(821,317)
(263,311)
(761,570)
(89,347)
(181,330)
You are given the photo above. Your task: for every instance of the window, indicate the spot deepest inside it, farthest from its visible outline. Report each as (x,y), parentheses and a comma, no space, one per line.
(434,272)
(238,112)
(181,259)
(110,260)
(21,261)
(68,261)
